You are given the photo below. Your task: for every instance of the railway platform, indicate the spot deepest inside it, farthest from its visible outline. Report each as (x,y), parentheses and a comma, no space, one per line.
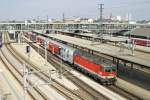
(143,49)
(139,58)
(109,38)
(118,39)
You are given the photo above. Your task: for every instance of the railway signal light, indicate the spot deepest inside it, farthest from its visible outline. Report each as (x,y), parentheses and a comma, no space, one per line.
(27,49)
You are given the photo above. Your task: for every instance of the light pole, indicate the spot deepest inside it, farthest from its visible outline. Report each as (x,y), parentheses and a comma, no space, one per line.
(45,44)
(148,43)
(93,38)
(25,71)
(25,74)
(19,37)
(5,95)
(38,44)
(133,44)
(38,48)
(60,76)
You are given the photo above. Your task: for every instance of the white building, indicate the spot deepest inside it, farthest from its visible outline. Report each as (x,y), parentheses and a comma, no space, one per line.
(90,20)
(132,22)
(119,18)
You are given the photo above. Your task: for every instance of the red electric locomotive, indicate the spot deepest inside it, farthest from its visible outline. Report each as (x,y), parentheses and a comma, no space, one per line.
(100,68)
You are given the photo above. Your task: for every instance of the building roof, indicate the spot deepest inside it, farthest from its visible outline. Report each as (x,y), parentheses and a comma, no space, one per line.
(141,32)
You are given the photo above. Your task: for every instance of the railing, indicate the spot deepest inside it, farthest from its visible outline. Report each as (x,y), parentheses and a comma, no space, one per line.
(69,26)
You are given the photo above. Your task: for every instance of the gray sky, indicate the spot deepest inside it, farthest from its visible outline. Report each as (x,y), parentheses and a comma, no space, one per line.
(28,9)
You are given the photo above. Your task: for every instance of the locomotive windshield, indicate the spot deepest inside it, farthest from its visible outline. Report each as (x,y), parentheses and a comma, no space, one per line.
(110,69)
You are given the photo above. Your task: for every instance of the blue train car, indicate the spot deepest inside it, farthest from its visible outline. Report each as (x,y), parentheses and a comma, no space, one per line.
(0,39)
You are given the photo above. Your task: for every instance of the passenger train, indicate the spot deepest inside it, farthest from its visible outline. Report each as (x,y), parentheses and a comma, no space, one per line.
(141,42)
(97,67)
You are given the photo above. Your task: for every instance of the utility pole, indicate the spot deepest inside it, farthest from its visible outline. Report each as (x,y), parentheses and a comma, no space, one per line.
(132,49)
(101,12)
(100,17)
(38,19)
(45,45)
(61,67)
(25,84)
(47,22)
(63,17)
(148,42)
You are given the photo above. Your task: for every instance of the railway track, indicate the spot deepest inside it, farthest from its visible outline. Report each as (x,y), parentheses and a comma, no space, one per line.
(57,63)
(53,59)
(85,91)
(16,74)
(58,87)
(18,77)
(69,94)
(127,95)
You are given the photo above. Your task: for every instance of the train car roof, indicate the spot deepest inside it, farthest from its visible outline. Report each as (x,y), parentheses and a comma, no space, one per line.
(40,36)
(140,39)
(62,45)
(96,59)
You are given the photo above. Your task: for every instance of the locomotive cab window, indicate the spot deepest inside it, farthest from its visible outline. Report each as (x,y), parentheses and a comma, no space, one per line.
(109,69)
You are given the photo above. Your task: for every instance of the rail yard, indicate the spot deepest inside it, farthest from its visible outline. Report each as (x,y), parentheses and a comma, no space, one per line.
(80,56)
(40,71)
